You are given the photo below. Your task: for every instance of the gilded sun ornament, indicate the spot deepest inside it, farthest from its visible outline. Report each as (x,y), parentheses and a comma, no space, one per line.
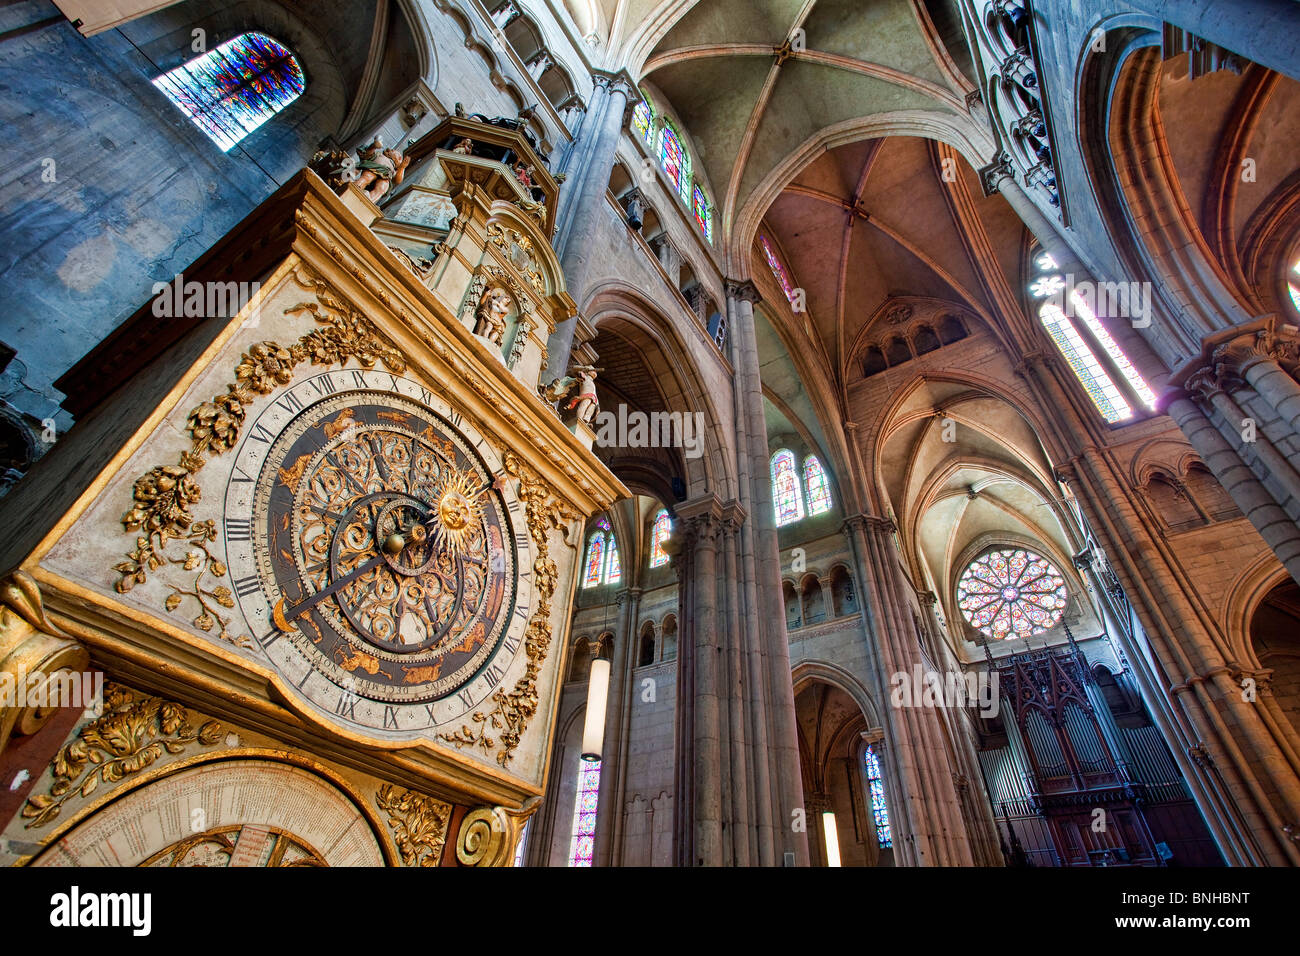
(458,511)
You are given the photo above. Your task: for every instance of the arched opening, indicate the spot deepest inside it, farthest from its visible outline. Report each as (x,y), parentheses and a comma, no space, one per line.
(1275,637)
(843,599)
(793,613)
(646,645)
(843,779)
(669,635)
(814,601)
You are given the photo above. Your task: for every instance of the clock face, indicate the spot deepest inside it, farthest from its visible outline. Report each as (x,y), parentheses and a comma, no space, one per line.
(375,545)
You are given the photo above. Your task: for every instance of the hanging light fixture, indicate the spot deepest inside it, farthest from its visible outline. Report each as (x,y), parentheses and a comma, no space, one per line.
(593,728)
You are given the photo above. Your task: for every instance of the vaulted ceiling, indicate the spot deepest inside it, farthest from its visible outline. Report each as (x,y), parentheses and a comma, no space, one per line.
(754,81)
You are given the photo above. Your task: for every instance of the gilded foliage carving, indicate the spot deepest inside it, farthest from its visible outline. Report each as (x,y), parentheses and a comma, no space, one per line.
(163,497)
(512,710)
(418,822)
(133,733)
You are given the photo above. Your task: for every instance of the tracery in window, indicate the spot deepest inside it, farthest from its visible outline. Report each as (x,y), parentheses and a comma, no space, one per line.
(232,90)
(819,489)
(1062,304)
(1011,592)
(602,565)
(662,528)
(787,496)
(584,814)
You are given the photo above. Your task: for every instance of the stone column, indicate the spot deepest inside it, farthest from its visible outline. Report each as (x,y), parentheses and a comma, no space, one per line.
(1272,523)
(613,767)
(923,762)
(580,220)
(669,258)
(772,692)
(697,833)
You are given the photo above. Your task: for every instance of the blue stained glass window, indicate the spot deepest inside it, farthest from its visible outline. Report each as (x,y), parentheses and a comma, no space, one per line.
(663,527)
(584,814)
(232,90)
(787,496)
(819,489)
(879,812)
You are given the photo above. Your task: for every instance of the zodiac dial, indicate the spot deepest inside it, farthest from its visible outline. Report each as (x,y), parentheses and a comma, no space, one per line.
(376,548)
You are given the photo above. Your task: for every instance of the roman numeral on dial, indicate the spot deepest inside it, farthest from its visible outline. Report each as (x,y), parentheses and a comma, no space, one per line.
(239,529)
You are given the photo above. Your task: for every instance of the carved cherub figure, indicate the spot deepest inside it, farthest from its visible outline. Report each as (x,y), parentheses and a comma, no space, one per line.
(380,168)
(465,147)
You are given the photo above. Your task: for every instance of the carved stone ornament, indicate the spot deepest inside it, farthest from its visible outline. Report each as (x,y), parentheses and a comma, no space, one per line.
(167,536)
(488,836)
(36,653)
(134,732)
(519,251)
(510,713)
(418,822)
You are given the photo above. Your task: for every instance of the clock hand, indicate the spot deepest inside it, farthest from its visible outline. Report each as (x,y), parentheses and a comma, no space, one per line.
(282,616)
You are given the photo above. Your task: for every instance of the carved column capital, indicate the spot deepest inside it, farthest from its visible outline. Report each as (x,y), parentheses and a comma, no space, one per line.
(993,175)
(744,290)
(1202,385)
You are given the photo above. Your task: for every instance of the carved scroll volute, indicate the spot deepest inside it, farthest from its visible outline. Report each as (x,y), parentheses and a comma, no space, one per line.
(488,836)
(32,652)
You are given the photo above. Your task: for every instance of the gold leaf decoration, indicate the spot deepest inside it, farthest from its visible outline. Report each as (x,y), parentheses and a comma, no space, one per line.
(164,496)
(418,822)
(512,711)
(133,733)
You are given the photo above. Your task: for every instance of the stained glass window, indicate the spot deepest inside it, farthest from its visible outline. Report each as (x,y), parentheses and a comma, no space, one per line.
(584,814)
(595,560)
(673,158)
(819,489)
(643,121)
(1078,350)
(1294,286)
(778,270)
(602,566)
(787,496)
(1010,593)
(662,528)
(614,572)
(232,90)
(879,812)
(703,212)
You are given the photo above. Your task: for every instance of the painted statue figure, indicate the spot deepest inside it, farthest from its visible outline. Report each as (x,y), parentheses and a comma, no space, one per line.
(491,314)
(381,169)
(585,405)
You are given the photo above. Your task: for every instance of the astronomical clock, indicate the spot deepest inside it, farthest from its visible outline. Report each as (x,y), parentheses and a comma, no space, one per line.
(319,548)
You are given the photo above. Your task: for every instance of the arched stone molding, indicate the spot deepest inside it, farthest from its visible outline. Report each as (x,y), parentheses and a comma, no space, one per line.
(619,307)
(811,670)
